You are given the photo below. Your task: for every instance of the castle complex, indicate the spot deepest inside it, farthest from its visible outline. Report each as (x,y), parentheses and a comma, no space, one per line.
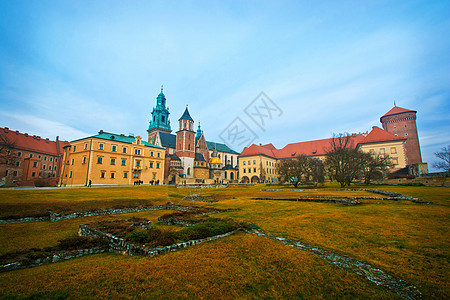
(399,140)
(186,156)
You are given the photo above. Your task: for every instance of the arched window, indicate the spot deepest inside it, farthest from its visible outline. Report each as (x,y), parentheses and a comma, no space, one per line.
(225,175)
(189,147)
(232,176)
(189,171)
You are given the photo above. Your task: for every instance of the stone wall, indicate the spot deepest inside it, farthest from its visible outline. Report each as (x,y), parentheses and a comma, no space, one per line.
(50,259)
(54,217)
(119,245)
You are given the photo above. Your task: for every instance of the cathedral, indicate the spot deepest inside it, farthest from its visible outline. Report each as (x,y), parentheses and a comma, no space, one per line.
(189,157)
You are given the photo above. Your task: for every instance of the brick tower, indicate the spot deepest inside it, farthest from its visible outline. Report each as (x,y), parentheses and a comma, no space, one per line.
(402,123)
(186,143)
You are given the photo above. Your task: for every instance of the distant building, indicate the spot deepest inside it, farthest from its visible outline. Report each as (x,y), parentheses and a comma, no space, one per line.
(29,159)
(399,140)
(189,157)
(108,158)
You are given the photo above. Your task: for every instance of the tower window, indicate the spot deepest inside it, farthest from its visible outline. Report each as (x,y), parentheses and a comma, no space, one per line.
(163,119)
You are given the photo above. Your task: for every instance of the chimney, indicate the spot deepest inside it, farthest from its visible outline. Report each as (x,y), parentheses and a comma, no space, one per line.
(100,132)
(26,134)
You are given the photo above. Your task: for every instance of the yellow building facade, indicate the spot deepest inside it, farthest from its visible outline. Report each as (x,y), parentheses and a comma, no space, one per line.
(110,159)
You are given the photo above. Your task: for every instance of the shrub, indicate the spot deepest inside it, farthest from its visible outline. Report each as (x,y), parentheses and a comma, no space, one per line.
(137,236)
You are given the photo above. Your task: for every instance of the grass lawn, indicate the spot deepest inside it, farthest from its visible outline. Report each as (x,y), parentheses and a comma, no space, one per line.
(407,240)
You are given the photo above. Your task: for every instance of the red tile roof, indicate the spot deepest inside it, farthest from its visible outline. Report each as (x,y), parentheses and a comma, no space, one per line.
(379,135)
(317,147)
(397,110)
(31,143)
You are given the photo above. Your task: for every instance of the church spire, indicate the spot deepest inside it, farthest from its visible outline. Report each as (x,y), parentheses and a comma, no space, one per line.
(199,131)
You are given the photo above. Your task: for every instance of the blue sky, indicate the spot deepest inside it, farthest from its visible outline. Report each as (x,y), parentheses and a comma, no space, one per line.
(71,68)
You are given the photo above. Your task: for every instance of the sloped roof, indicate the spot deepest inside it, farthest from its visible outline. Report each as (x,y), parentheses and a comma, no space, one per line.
(199,157)
(31,143)
(119,138)
(186,116)
(174,157)
(220,147)
(269,146)
(168,140)
(397,110)
(310,148)
(379,135)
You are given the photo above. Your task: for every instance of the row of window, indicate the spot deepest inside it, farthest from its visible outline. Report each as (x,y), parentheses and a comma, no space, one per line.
(31,155)
(114,149)
(43,166)
(123,162)
(249,162)
(383,151)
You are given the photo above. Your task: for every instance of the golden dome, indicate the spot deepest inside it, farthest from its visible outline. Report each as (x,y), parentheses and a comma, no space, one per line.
(215,160)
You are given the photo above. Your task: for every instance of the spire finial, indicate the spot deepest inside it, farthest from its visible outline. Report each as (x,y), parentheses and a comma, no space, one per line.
(161,88)
(395,105)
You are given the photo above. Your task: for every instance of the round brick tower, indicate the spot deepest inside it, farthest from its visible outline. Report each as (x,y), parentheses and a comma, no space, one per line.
(402,123)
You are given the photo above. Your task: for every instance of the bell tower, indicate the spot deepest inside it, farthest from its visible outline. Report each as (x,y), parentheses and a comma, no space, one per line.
(402,123)
(160,118)
(185,148)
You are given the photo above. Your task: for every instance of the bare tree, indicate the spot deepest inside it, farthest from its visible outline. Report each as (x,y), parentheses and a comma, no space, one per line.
(443,155)
(293,170)
(375,166)
(8,157)
(316,171)
(343,160)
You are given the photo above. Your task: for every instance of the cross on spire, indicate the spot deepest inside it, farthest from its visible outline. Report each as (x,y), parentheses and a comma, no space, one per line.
(161,88)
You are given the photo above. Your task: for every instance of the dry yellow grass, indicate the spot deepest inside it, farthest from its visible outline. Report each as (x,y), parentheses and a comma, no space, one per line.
(408,240)
(242,266)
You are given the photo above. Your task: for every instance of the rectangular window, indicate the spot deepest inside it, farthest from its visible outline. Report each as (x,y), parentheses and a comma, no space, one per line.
(19,154)
(124,162)
(72,161)
(84,159)
(43,167)
(74,148)
(102,174)
(151,164)
(137,151)
(138,163)
(249,170)
(31,155)
(157,165)
(99,160)
(56,159)
(100,146)
(45,157)
(243,162)
(151,153)
(393,150)
(114,148)
(254,170)
(382,151)
(158,154)
(113,161)
(249,162)
(14,173)
(85,146)
(50,168)
(51,158)
(39,156)
(112,175)
(395,160)
(244,170)
(17,163)
(34,164)
(70,174)
(54,168)
(154,175)
(254,162)
(124,150)
(125,175)
(33,174)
